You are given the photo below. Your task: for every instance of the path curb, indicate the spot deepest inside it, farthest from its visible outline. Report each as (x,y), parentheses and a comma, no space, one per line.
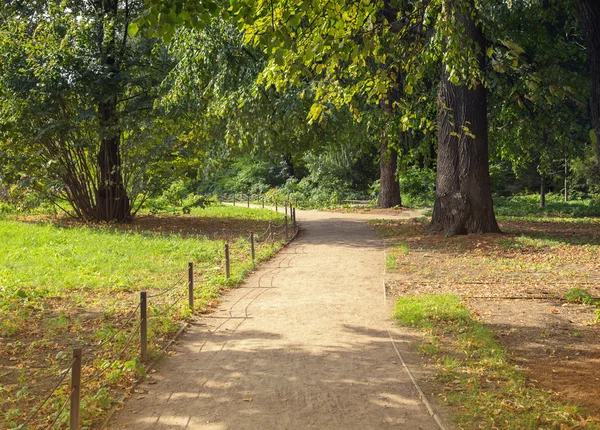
(422,396)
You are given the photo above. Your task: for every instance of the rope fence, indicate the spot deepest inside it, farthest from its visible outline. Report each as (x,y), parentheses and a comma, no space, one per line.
(138,333)
(258,199)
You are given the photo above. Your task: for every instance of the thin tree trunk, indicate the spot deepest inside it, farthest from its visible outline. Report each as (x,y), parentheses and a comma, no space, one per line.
(389,187)
(463,201)
(287,158)
(542,191)
(589,11)
(112,200)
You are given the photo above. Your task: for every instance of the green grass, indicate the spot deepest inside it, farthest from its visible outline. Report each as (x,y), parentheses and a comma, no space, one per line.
(62,286)
(390,262)
(394,251)
(528,207)
(579,295)
(48,258)
(479,380)
(519,242)
(42,261)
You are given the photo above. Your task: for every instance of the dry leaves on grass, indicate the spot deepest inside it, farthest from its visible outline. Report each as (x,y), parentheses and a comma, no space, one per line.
(515,282)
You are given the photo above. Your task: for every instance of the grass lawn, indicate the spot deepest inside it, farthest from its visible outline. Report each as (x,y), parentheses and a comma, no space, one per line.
(64,284)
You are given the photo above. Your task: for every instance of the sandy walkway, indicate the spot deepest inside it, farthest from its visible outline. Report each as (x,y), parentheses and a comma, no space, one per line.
(303,344)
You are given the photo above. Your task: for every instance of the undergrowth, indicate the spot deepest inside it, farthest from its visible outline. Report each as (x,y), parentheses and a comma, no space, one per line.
(528,206)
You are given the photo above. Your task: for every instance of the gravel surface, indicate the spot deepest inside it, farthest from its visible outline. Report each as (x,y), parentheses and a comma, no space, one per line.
(304,343)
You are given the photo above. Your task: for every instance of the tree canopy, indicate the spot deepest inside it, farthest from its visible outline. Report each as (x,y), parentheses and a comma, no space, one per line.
(105,102)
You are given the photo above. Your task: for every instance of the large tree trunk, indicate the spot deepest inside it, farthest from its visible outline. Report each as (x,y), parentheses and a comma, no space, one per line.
(463,201)
(589,11)
(112,200)
(389,187)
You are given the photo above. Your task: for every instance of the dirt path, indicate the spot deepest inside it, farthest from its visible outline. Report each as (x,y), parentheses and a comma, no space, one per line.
(304,343)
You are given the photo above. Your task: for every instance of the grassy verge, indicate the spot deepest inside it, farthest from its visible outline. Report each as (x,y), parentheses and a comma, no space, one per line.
(66,285)
(528,206)
(475,372)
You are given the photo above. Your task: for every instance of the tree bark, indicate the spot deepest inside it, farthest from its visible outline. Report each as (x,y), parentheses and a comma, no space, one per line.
(389,186)
(287,159)
(589,12)
(112,200)
(463,201)
(542,191)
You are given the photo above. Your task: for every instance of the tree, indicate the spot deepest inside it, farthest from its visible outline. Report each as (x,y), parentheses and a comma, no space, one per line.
(215,95)
(539,118)
(303,54)
(589,11)
(360,50)
(463,202)
(76,92)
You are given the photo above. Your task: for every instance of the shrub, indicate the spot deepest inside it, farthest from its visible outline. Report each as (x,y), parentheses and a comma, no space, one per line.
(417,186)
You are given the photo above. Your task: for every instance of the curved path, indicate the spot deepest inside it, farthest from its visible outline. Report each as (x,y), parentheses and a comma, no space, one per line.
(303,344)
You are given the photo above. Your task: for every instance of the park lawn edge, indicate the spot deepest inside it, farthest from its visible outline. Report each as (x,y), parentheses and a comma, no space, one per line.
(475,372)
(161,329)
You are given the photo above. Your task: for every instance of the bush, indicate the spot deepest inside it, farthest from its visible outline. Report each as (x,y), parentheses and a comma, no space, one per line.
(177,198)
(6,209)
(417,186)
(525,205)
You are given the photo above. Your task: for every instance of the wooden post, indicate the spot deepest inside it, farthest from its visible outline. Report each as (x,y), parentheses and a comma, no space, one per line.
(286,228)
(227,266)
(276,210)
(286,206)
(191,285)
(233,199)
(252,245)
(263,202)
(294,219)
(143,327)
(248,200)
(75,389)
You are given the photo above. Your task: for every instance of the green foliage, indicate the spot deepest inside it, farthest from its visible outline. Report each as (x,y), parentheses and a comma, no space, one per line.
(579,295)
(390,262)
(585,176)
(527,205)
(69,83)
(248,175)
(177,198)
(417,186)
(430,310)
